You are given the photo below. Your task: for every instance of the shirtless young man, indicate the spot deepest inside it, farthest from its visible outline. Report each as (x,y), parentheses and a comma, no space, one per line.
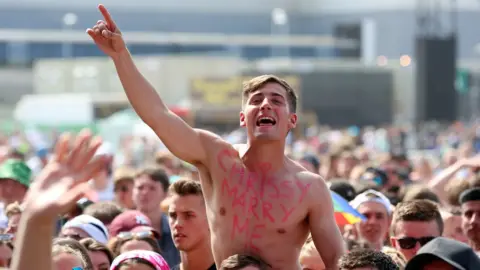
(258,201)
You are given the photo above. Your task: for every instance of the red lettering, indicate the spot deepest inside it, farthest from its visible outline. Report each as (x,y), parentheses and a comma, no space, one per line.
(287,189)
(252,205)
(287,212)
(226,190)
(275,191)
(220,157)
(303,189)
(237,170)
(252,178)
(255,235)
(239,200)
(238,228)
(267,207)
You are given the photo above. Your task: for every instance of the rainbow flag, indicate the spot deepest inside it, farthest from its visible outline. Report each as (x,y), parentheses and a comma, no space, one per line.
(344,213)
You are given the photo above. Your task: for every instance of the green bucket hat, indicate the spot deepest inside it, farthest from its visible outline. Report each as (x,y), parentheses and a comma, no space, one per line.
(16,170)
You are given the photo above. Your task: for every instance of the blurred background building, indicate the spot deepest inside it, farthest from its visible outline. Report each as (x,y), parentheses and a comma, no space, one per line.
(353,62)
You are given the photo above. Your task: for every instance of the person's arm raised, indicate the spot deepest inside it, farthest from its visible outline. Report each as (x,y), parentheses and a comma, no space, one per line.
(182,140)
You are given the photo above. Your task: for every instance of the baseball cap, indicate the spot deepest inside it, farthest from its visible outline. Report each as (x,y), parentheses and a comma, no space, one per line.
(372,196)
(127,221)
(343,188)
(16,170)
(457,254)
(92,226)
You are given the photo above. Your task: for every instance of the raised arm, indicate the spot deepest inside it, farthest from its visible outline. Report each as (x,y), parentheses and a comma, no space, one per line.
(181,139)
(325,233)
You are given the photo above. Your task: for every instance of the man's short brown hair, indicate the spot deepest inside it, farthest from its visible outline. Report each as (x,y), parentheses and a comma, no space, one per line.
(105,211)
(185,187)
(239,261)
(260,81)
(157,174)
(363,258)
(416,210)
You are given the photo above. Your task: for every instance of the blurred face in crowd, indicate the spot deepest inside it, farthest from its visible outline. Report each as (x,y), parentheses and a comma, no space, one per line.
(13,222)
(99,260)
(124,193)
(12,191)
(101,179)
(410,236)
(64,261)
(375,228)
(453,228)
(188,222)
(5,255)
(345,166)
(471,221)
(266,113)
(147,194)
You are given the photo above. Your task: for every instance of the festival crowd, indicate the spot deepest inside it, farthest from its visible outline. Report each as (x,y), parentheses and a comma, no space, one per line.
(352,199)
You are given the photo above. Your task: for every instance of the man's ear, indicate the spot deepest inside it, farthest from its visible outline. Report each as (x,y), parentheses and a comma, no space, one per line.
(293,121)
(242,119)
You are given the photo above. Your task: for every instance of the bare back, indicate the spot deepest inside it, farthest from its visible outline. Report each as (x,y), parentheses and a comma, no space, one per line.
(255,210)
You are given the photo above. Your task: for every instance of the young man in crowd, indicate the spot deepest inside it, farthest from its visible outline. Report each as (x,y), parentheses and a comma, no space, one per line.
(189,225)
(470,204)
(150,188)
(414,224)
(254,179)
(377,209)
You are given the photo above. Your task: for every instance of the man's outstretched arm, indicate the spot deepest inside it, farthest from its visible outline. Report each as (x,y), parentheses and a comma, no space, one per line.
(325,233)
(181,139)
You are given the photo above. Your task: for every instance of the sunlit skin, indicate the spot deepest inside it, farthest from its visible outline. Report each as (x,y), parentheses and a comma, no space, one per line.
(374,229)
(453,228)
(99,260)
(471,223)
(124,193)
(415,229)
(310,258)
(66,261)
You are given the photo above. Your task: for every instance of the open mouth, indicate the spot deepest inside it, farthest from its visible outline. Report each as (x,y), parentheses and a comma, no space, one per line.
(265,121)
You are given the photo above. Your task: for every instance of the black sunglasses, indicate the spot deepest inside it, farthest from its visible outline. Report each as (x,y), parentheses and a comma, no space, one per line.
(410,242)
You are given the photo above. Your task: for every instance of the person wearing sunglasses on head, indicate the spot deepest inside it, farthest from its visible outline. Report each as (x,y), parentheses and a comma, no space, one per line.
(139,238)
(414,224)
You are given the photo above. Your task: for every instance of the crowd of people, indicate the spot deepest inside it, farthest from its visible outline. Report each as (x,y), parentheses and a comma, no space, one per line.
(206,203)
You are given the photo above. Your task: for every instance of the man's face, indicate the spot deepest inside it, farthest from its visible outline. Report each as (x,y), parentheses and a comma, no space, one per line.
(471,220)
(188,222)
(12,191)
(374,229)
(147,194)
(124,193)
(410,235)
(266,114)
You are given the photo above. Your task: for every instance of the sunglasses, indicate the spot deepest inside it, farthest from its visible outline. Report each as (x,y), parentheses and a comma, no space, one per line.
(411,242)
(136,235)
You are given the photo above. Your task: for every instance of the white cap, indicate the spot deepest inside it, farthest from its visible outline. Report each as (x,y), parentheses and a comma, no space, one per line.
(372,196)
(92,226)
(105,149)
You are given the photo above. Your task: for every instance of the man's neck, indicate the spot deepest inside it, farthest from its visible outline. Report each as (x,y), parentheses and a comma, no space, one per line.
(264,153)
(475,246)
(199,259)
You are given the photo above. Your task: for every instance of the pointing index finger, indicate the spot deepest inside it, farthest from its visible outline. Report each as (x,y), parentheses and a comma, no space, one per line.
(108,18)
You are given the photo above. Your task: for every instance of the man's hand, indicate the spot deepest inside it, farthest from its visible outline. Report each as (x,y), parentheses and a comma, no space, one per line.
(63,181)
(106,35)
